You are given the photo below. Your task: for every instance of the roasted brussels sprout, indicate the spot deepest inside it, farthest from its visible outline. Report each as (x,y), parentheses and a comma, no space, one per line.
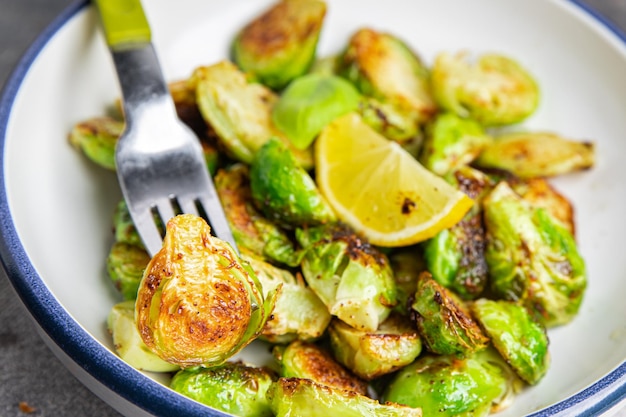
(540,193)
(521,341)
(532,258)
(233,387)
(284,191)
(452,142)
(350,276)
(197,303)
(382,66)
(280,44)
(128,343)
(124,228)
(96,138)
(537,154)
(393,122)
(250,229)
(298,313)
(444,385)
(407,263)
(239,112)
(301,359)
(309,103)
(493,90)
(125,265)
(456,256)
(305,398)
(369,355)
(443,321)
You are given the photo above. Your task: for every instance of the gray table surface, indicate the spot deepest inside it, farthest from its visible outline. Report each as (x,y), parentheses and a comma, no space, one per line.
(29,372)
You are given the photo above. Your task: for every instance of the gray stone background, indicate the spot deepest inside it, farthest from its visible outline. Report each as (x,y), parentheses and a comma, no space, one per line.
(29,372)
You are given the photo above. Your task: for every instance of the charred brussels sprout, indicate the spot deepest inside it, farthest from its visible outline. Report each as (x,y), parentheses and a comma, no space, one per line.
(284,191)
(239,112)
(537,154)
(521,341)
(493,90)
(444,385)
(305,398)
(250,229)
(125,265)
(532,258)
(128,343)
(197,303)
(452,142)
(124,228)
(97,138)
(407,264)
(233,387)
(298,313)
(280,44)
(443,320)
(456,256)
(369,355)
(539,193)
(393,122)
(307,360)
(309,103)
(350,276)
(384,67)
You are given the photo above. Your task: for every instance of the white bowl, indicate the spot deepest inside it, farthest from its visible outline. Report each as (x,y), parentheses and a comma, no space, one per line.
(55,207)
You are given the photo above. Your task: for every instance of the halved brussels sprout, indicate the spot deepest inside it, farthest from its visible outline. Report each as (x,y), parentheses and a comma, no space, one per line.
(309,103)
(197,303)
(407,263)
(124,228)
(239,111)
(280,44)
(456,256)
(532,258)
(393,122)
(540,193)
(125,266)
(127,341)
(443,321)
(96,138)
(369,355)
(233,387)
(301,359)
(444,385)
(382,66)
(250,229)
(284,191)
(304,398)
(537,154)
(493,89)
(452,142)
(298,313)
(350,276)
(521,341)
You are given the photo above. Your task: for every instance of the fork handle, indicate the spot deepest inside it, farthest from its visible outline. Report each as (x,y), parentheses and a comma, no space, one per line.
(129,37)
(124,23)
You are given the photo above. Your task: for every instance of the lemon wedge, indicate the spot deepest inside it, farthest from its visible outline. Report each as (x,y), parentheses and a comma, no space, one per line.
(379,189)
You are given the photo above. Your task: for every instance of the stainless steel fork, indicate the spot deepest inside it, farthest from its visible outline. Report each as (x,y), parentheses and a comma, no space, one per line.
(159,160)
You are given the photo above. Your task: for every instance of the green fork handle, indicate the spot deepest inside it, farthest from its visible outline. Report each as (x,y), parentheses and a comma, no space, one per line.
(124,22)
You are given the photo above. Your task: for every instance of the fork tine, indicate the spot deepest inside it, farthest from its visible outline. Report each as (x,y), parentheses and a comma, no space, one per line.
(217,218)
(188,205)
(164,208)
(148,230)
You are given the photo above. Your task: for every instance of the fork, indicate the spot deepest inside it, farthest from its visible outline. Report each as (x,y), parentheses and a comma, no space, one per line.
(159,160)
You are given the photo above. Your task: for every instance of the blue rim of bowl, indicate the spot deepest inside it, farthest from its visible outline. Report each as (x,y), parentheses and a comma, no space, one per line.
(119,377)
